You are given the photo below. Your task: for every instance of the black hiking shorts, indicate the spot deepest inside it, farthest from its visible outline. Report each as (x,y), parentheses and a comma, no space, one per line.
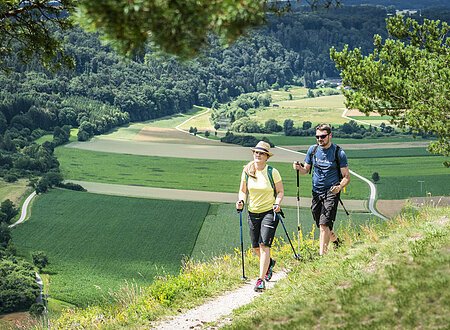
(324,208)
(262,228)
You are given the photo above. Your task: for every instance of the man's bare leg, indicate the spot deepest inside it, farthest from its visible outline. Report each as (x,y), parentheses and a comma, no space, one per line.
(324,239)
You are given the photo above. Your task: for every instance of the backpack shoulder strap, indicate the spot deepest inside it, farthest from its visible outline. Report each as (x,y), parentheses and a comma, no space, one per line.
(313,152)
(272,183)
(338,161)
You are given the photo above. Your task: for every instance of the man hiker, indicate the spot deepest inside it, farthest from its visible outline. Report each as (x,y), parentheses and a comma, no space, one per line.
(330,175)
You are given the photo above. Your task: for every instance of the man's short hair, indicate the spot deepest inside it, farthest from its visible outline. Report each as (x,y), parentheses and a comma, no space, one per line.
(324,127)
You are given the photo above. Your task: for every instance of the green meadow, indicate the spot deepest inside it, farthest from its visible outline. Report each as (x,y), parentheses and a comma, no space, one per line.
(371,117)
(400,176)
(282,140)
(175,173)
(305,109)
(97,243)
(388,153)
(295,91)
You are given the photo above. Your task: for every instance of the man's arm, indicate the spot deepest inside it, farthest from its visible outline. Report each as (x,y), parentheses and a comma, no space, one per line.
(345,181)
(301,167)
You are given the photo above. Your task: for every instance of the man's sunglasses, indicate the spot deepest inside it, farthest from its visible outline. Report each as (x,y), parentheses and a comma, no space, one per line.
(323,136)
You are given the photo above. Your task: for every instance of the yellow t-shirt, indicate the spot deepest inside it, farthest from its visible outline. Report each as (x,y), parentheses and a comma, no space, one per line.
(260,191)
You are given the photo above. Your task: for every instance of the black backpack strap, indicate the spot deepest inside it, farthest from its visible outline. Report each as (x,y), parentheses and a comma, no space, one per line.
(338,161)
(313,153)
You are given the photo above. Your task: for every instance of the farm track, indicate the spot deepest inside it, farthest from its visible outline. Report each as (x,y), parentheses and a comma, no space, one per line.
(193,195)
(199,149)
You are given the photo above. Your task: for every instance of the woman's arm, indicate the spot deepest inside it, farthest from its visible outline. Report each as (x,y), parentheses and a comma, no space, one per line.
(242,195)
(280,194)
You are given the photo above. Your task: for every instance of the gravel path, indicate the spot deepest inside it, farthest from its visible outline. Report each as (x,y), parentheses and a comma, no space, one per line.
(217,308)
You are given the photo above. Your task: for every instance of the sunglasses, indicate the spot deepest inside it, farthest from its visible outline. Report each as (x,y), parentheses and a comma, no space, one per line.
(323,136)
(259,153)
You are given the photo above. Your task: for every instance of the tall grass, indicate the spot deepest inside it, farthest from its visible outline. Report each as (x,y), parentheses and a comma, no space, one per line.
(394,279)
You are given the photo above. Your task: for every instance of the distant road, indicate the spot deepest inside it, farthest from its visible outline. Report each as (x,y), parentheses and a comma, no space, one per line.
(23,213)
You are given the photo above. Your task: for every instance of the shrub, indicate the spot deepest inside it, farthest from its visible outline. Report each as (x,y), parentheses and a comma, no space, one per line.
(10,178)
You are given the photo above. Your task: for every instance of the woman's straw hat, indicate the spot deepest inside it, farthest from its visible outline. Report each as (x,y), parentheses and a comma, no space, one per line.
(264,147)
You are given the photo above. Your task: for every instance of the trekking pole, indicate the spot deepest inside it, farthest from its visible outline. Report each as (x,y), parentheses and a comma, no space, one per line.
(296,256)
(298,209)
(242,245)
(340,201)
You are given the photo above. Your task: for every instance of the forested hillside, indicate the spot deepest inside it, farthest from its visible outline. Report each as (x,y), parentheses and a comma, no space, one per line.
(105,90)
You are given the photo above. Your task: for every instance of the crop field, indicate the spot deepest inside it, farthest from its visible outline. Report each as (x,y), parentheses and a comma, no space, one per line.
(132,130)
(202,121)
(324,102)
(388,153)
(176,173)
(307,109)
(282,140)
(282,95)
(385,118)
(95,242)
(220,230)
(400,176)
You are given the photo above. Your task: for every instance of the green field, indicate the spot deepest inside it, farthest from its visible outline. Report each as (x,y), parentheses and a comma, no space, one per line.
(220,230)
(305,109)
(282,140)
(95,243)
(388,153)
(385,118)
(164,172)
(282,95)
(400,176)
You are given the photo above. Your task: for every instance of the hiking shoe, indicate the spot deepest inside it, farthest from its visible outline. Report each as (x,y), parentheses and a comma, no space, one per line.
(337,243)
(260,285)
(270,270)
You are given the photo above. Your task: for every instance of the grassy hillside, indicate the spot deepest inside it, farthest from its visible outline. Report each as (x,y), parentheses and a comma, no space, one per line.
(392,275)
(95,242)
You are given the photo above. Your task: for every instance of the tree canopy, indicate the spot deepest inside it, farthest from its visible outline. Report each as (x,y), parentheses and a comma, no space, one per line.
(179,27)
(406,77)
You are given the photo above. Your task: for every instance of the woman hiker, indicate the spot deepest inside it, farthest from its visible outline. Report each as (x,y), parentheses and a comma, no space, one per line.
(265,192)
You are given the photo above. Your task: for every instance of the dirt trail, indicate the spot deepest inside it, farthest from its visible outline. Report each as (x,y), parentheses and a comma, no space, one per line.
(218,307)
